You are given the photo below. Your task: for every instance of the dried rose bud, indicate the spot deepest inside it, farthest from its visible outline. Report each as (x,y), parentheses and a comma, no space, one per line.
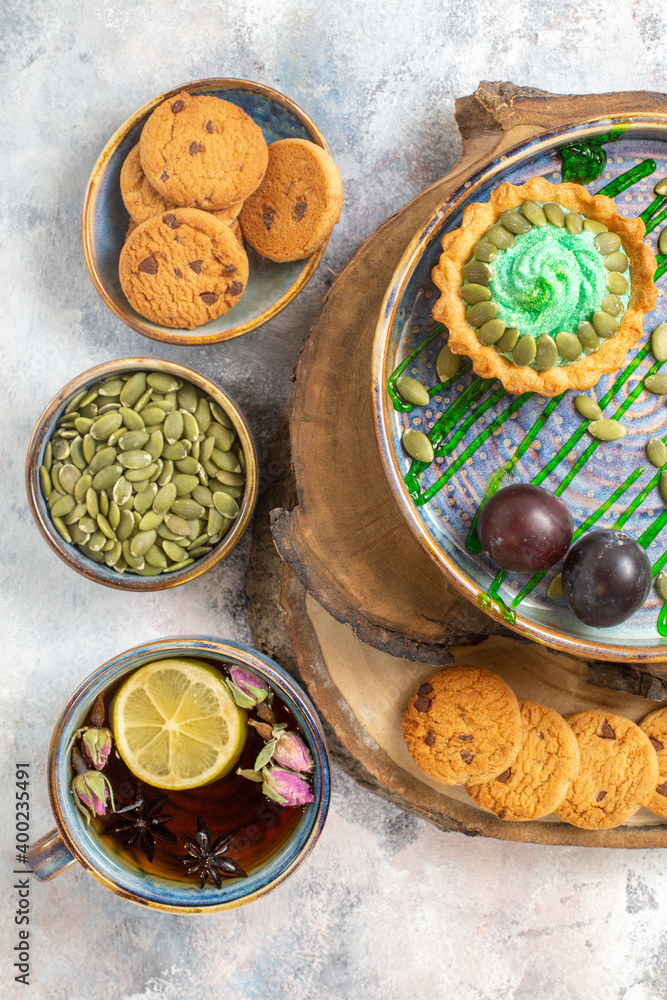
(246,687)
(292,752)
(96,746)
(92,791)
(286,787)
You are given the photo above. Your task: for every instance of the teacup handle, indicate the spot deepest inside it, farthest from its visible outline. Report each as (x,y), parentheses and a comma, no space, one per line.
(49,856)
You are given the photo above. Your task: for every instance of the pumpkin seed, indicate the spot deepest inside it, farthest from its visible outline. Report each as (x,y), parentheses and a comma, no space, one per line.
(516,221)
(132,420)
(574,223)
(491,331)
(230,478)
(156,557)
(60,449)
(104,502)
(555,588)
(189,398)
(525,350)
(152,415)
(534,213)
(106,478)
(587,336)
(588,408)
(478,315)
(659,342)
(661,579)
(92,503)
(203,496)
(412,390)
(415,443)
(604,324)
(226,460)
(101,459)
(97,540)
(106,425)
(202,413)
(500,237)
(131,440)
(484,251)
(593,226)
(175,567)
(47,461)
(69,476)
(221,435)
(546,352)
(215,521)
(167,472)
(125,525)
(76,454)
(79,537)
(612,304)
(172,550)
(474,271)
(150,521)
(190,428)
(155,444)
(141,542)
(136,562)
(228,507)
(606,430)
(662,241)
(569,346)
(616,283)
(61,528)
(133,389)
(175,452)
(76,513)
(45,482)
(507,342)
(555,214)
(141,475)
(162,382)
(607,243)
(63,506)
(173,426)
(82,486)
(114,514)
(654,383)
(179,525)
(88,524)
(105,527)
(472,294)
(656,452)
(663,486)
(206,450)
(188,465)
(144,499)
(219,414)
(616,262)
(189,509)
(83,424)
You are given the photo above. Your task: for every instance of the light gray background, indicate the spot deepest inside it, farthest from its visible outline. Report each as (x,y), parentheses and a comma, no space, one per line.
(387,907)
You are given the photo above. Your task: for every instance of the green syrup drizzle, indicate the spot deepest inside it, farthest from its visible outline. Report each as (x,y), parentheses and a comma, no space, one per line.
(583,162)
(445,434)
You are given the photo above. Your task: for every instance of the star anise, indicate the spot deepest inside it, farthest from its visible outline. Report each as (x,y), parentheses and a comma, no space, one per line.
(143,821)
(208,858)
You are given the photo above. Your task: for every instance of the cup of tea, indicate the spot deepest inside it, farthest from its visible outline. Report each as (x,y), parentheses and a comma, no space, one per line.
(189,775)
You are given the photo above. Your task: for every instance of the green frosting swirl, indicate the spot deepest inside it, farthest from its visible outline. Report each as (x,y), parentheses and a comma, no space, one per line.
(549,281)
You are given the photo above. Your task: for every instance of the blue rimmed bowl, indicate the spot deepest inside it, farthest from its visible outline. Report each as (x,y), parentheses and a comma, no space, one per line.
(75,841)
(613,484)
(270,287)
(71,554)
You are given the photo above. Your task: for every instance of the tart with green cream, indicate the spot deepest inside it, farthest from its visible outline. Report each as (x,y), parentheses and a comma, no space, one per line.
(545,286)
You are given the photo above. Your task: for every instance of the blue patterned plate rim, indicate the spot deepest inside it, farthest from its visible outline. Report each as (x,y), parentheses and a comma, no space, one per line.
(388,340)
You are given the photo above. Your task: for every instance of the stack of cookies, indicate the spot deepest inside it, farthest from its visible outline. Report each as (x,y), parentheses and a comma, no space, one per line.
(523,761)
(200,180)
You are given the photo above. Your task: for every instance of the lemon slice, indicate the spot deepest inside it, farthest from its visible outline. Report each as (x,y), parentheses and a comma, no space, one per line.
(176,724)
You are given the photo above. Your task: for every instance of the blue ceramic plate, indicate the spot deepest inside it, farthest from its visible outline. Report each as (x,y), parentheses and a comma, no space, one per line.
(488,432)
(270,286)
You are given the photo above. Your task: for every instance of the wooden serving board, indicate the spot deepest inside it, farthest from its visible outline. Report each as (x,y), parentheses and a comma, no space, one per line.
(357,611)
(361,691)
(343,533)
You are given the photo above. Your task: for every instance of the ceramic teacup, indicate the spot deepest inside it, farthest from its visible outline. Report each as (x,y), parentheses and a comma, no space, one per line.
(75,840)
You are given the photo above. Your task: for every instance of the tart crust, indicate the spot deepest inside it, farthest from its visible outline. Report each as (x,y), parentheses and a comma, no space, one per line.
(487,361)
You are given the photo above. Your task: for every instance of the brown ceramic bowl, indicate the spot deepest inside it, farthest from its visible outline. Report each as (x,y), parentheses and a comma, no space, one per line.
(270,287)
(70,554)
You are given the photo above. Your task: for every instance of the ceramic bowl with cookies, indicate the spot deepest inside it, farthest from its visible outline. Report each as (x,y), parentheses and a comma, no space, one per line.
(209,210)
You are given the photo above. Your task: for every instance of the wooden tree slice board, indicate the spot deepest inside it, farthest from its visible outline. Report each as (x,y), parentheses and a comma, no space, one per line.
(361,691)
(342,532)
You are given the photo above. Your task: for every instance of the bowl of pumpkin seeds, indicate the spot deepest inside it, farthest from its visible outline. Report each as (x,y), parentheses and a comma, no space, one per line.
(142,474)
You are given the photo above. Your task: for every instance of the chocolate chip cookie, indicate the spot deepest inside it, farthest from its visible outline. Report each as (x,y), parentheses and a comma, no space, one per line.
(297,204)
(618,773)
(538,780)
(463,726)
(203,152)
(183,268)
(655,727)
